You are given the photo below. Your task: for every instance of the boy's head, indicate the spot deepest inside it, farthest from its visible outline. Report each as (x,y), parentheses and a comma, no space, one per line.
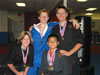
(53,41)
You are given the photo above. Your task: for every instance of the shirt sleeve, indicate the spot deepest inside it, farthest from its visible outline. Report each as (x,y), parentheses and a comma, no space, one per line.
(11,55)
(78,36)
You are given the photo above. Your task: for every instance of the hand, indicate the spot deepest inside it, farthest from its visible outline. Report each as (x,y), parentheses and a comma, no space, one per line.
(64,52)
(20,73)
(25,73)
(75,23)
(30,28)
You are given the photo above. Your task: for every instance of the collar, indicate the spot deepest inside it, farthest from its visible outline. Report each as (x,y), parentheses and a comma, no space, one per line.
(45,30)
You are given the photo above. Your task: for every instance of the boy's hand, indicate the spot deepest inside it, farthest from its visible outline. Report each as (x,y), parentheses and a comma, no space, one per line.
(30,28)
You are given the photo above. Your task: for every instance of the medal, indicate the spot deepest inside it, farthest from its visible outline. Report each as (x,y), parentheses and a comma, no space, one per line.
(41,41)
(59,55)
(50,68)
(41,33)
(25,56)
(62,31)
(62,38)
(25,66)
(51,59)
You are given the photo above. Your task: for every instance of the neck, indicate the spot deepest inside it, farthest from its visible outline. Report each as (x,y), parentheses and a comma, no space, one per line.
(24,47)
(43,25)
(52,49)
(62,23)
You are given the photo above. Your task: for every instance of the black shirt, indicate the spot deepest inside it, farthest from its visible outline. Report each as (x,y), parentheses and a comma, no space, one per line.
(71,37)
(15,56)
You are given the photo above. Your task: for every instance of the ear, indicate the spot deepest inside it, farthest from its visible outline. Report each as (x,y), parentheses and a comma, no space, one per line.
(58,43)
(47,42)
(66,14)
(48,18)
(56,14)
(39,17)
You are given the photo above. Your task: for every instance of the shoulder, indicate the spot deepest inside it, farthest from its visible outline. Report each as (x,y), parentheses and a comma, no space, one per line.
(16,46)
(31,47)
(71,27)
(55,27)
(52,24)
(14,50)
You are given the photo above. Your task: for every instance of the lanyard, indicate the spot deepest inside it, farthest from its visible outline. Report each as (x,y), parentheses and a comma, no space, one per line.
(41,32)
(25,56)
(62,31)
(50,57)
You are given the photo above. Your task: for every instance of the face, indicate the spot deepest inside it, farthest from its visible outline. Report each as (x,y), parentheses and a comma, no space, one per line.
(43,17)
(61,14)
(53,42)
(25,41)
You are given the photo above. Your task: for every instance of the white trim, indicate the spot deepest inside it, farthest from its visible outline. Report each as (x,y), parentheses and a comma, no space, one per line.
(45,30)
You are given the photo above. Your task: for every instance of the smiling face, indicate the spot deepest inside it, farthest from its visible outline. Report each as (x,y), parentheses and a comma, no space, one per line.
(43,17)
(25,41)
(61,14)
(53,42)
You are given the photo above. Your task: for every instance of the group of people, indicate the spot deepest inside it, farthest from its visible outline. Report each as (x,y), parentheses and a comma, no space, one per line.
(49,48)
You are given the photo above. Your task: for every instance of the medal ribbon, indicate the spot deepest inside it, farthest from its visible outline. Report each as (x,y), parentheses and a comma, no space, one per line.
(41,32)
(50,57)
(62,31)
(25,56)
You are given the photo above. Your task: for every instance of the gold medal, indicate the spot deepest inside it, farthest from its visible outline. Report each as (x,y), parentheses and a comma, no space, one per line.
(59,55)
(24,65)
(41,41)
(62,38)
(50,68)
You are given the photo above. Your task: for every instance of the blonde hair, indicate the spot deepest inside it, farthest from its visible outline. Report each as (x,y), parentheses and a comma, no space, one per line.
(22,34)
(43,10)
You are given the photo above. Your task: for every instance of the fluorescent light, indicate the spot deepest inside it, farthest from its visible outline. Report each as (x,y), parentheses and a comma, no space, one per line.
(82,0)
(21,4)
(91,9)
(89,14)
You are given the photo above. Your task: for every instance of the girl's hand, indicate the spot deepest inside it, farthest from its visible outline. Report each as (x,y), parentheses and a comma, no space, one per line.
(20,73)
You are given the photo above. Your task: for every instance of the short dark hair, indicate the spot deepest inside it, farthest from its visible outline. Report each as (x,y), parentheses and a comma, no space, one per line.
(53,35)
(63,7)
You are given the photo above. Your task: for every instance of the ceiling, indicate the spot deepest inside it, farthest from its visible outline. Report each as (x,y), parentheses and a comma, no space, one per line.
(35,5)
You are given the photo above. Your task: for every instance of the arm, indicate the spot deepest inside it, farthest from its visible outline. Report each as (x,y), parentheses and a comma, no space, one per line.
(11,66)
(79,43)
(30,28)
(11,56)
(26,70)
(52,24)
(72,51)
(42,73)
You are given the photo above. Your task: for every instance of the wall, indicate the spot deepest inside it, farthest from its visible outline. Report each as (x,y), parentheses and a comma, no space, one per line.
(15,25)
(30,19)
(95,27)
(3,27)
